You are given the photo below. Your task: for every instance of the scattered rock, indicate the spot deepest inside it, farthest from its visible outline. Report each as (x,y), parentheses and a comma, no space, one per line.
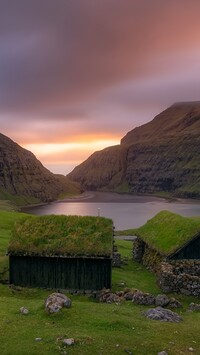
(191,349)
(138,297)
(162,314)
(143,298)
(24,310)
(128,293)
(194,307)
(174,303)
(38,339)
(161,300)
(56,301)
(69,341)
(128,296)
(107,296)
(120,293)
(163,353)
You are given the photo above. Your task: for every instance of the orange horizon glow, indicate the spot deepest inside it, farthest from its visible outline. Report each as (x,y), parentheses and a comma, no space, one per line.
(72,153)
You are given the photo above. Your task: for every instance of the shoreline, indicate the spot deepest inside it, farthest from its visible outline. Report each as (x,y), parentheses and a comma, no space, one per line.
(112,197)
(102,196)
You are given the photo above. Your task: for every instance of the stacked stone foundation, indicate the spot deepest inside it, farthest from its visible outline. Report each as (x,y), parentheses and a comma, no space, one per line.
(180,276)
(146,255)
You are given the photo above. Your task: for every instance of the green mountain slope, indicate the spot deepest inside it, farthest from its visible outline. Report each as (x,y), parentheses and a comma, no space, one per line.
(105,168)
(160,156)
(23,179)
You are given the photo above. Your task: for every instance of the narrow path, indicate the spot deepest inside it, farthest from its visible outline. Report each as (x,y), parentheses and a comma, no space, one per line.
(125,237)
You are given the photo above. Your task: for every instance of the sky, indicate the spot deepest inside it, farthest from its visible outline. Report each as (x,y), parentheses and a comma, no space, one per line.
(77,75)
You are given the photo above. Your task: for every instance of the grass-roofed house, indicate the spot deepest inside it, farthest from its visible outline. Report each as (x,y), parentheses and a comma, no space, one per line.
(170,245)
(62,252)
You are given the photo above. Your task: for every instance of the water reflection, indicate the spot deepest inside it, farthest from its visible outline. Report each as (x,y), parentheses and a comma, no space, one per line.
(124,215)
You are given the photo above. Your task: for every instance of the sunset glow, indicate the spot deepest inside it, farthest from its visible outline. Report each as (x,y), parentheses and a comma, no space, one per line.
(67,154)
(76,76)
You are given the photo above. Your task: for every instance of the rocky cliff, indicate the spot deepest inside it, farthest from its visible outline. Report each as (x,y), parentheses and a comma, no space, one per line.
(160,156)
(24,179)
(105,168)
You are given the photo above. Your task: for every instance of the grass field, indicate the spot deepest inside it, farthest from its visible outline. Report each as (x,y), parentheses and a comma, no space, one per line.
(97,328)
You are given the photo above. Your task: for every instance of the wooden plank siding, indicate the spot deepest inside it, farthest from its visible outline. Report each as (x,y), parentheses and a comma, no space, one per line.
(60,272)
(190,250)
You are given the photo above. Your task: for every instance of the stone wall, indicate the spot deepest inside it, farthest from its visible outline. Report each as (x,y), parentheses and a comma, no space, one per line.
(152,259)
(146,255)
(180,276)
(116,260)
(173,276)
(116,257)
(138,250)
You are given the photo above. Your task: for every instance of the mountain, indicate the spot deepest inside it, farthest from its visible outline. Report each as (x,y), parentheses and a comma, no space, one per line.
(23,179)
(161,156)
(105,168)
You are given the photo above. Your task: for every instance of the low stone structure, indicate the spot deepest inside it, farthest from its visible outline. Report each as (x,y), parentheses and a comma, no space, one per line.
(116,259)
(138,249)
(148,256)
(137,297)
(169,245)
(180,276)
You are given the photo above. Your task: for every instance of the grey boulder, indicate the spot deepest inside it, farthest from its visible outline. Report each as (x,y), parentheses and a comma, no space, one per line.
(56,301)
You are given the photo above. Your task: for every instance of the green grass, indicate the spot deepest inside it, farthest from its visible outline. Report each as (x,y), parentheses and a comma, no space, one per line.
(7,205)
(130,275)
(62,235)
(167,231)
(97,328)
(16,200)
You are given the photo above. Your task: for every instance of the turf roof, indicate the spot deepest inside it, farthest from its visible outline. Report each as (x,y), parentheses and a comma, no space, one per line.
(167,231)
(61,235)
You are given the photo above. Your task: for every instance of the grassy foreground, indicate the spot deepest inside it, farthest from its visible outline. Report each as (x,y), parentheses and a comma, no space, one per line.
(104,329)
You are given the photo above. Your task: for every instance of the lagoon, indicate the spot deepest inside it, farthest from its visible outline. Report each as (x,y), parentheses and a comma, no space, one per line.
(127,211)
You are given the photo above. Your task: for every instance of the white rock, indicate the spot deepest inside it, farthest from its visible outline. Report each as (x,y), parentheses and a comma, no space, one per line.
(69,341)
(24,310)
(56,301)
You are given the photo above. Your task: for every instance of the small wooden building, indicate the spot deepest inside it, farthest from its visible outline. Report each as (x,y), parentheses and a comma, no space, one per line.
(189,250)
(62,252)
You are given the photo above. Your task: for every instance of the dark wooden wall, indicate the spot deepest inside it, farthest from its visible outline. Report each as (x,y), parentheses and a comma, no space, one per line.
(189,251)
(57,272)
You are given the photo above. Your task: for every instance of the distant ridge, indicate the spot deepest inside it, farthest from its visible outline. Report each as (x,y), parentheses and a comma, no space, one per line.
(23,179)
(159,157)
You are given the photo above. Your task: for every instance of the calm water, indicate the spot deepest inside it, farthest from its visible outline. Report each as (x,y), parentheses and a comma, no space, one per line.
(125,212)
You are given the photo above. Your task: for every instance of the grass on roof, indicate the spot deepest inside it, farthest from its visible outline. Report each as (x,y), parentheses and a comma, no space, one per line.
(62,235)
(168,231)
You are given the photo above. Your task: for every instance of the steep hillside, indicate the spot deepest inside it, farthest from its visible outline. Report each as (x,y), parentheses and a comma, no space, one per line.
(160,156)
(179,119)
(24,179)
(103,169)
